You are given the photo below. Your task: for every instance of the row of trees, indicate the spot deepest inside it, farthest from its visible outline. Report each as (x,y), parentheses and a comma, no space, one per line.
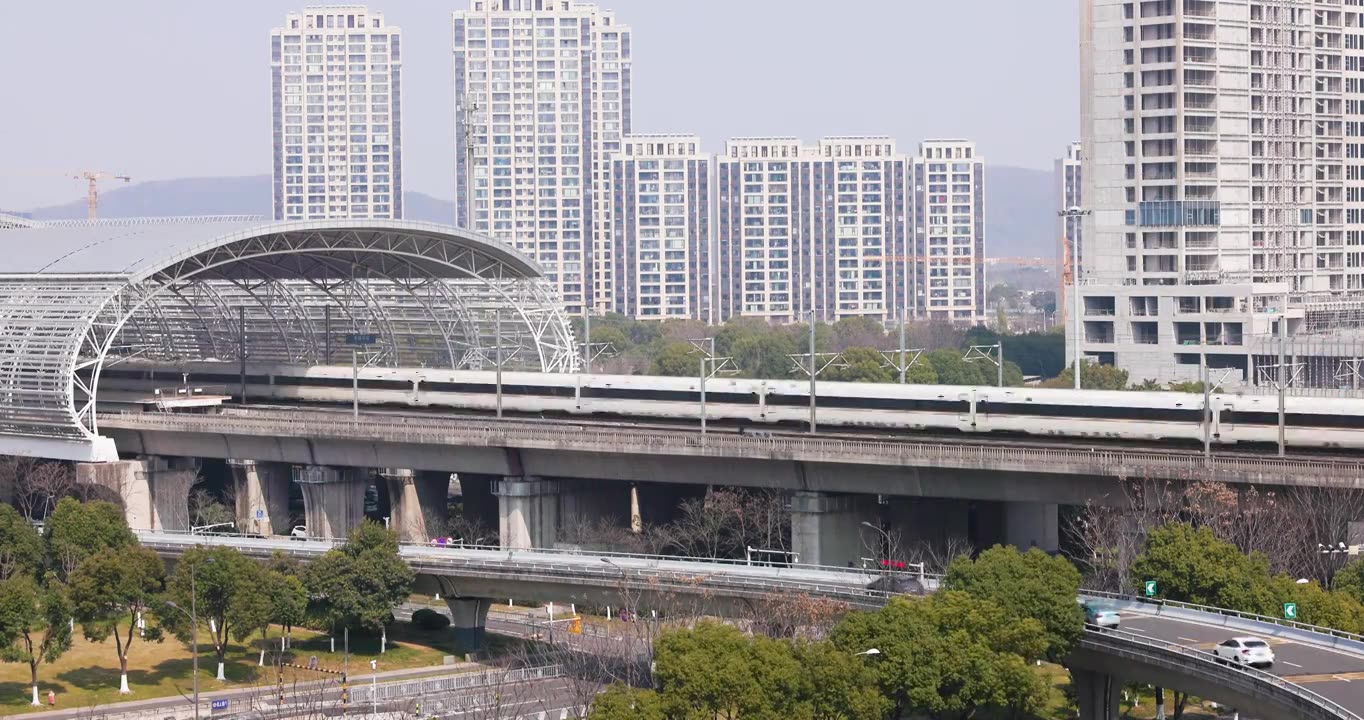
(87,568)
(762,350)
(1192,565)
(962,651)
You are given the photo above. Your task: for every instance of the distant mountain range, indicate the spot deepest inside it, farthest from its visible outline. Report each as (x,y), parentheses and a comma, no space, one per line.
(1019,206)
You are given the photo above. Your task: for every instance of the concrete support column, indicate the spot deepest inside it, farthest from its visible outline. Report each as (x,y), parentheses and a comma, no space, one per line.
(1028,525)
(1096,694)
(154,490)
(470,621)
(528,512)
(333,499)
(261,490)
(827,529)
(412,497)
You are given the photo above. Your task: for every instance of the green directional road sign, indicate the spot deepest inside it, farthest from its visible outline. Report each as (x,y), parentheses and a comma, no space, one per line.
(1150,588)
(1290,611)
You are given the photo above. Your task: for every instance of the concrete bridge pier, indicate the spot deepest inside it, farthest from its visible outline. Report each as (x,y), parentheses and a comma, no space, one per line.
(154,489)
(333,499)
(470,621)
(261,490)
(827,529)
(1096,693)
(413,496)
(528,512)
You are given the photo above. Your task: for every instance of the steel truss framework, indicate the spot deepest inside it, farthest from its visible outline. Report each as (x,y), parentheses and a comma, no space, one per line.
(280,292)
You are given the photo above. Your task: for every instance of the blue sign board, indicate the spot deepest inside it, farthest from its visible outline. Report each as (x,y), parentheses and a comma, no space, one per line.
(361,339)
(260,514)
(219,705)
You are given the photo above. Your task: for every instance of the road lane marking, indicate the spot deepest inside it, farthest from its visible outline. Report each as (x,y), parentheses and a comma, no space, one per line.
(1187,639)
(1327,677)
(1285,662)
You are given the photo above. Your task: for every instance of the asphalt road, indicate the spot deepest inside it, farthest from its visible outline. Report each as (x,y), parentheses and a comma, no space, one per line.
(1334,674)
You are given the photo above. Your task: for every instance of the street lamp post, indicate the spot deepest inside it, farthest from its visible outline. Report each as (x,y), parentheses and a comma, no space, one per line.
(886,536)
(193,615)
(1073,213)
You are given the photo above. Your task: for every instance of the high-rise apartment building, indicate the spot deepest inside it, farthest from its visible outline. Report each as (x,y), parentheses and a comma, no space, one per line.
(542,100)
(336,74)
(1224,166)
(1070,246)
(811,228)
(660,214)
(947,278)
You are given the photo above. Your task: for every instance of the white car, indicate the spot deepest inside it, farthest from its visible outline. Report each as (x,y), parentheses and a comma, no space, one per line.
(300,532)
(1245,651)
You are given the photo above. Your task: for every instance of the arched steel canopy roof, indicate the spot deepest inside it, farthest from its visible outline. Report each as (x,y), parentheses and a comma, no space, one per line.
(75,299)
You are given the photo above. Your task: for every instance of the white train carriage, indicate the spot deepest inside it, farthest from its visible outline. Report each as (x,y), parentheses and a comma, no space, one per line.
(1113,415)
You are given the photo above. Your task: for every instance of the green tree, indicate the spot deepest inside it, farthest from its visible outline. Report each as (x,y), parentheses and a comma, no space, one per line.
(113,587)
(1316,606)
(1191,386)
(1028,584)
(37,616)
(949,654)
(225,588)
(764,356)
(920,373)
(1003,293)
(361,582)
(857,331)
(1194,566)
(76,531)
(21,548)
(1044,300)
(708,669)
(622,702)
(864,364)
(1093,376)
(951,369)
(676,359)
(288,606)
(839,685)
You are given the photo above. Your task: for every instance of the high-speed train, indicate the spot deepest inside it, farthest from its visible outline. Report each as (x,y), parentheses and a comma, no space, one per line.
(1115,415)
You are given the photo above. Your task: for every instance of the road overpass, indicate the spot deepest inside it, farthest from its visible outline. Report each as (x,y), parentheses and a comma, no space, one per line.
(470,578)
(1163,644)
(539,473)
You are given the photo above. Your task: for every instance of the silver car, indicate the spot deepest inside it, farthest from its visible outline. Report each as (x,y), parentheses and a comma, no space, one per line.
(1104,618)
(1245,651)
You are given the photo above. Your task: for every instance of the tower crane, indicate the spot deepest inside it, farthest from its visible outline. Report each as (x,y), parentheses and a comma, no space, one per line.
(92,177)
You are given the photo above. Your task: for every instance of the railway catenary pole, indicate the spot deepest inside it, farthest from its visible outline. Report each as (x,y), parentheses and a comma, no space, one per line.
(701,377)
(1283,384)
(497,339)
(327,334)
(355,383)
(1000,368)
(902,345)
(814,372)
(1207,412)
(241,346)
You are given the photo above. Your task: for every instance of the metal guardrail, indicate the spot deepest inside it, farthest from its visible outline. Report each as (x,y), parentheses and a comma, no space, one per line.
(505,565)
(1139,601)
(510,433)
(1194,662)
(361,693)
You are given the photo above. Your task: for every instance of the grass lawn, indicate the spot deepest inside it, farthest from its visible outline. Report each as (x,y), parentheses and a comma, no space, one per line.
(87,675)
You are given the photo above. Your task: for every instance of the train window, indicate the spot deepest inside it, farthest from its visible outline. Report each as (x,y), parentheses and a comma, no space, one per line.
(670,395)
(490,388)
(1091,411)
(1302,420)
(881,403)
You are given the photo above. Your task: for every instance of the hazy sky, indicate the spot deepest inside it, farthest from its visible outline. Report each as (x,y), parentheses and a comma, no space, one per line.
(161,89)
